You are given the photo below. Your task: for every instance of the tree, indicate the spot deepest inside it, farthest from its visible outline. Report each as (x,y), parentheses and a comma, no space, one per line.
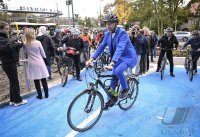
(172,6)
(123,10)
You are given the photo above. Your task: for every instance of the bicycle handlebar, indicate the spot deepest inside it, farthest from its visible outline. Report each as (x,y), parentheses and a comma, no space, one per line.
(165,49)
(98,71)
(189,50)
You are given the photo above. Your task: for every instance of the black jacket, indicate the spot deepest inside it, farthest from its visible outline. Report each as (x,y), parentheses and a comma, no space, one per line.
(168,44)
(9,50)
(75,43)
(47,44)
(137,43)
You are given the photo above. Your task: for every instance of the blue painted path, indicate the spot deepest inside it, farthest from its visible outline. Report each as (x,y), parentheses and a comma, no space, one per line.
(178,97)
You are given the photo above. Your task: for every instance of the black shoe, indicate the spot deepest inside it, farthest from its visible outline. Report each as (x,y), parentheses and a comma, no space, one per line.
(79,79)
(157,70)
(49,78)
(194,72)
(39,97)
(123,93)
(172,74)
(46,95)
(111,102)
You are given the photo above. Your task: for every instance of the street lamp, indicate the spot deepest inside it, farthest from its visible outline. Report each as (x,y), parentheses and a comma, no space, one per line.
(68,3)
(76,18)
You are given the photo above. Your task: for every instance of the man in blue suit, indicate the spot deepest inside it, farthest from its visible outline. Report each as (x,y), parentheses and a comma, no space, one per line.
(122,54)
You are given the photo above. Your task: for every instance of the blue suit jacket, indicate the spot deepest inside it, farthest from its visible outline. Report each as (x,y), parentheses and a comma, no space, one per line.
(124,49)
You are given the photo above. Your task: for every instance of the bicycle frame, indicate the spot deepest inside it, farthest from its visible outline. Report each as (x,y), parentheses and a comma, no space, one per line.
(94,86)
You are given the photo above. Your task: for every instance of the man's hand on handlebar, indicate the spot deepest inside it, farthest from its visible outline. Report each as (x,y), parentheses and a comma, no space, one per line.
(60,49)
(89,62)
(109,67)
(77,52)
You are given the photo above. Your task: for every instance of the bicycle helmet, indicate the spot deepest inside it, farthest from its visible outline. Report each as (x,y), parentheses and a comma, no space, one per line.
(67,30)
(57,30)
(75,31)
(110,17)
(85,28)
(169,29)
(195,32)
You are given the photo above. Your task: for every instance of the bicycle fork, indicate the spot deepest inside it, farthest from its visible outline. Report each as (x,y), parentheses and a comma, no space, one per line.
(90,102)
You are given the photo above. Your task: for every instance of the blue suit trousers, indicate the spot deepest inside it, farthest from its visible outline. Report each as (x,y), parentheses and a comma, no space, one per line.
(118,70)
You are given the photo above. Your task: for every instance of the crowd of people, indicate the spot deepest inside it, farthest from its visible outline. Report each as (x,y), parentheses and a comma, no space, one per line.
(130,51)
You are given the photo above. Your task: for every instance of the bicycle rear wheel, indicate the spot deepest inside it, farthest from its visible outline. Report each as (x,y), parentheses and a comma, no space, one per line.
(54,65)
(186,64)
(85,110)
(128,102)
(64,78)
(162,70)
(190,72)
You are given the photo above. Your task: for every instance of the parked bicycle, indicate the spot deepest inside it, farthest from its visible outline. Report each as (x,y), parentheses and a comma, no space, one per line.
(89,103)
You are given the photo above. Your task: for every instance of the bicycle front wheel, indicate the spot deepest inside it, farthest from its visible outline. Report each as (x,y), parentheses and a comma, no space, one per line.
(186,64)
(128,102)
(190,72)
(162,69)
(85,110)
(64,78)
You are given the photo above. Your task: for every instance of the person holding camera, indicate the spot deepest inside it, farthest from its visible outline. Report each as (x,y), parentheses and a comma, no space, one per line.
(136,40)
(9,56)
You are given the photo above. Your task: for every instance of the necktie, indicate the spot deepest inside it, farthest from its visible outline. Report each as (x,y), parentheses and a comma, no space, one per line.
(112,46)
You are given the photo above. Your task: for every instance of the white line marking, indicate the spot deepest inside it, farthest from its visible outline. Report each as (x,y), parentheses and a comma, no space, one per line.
(84,123)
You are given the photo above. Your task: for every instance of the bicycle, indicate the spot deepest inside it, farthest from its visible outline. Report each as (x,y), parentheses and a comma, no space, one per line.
(163,63)
(55,63)
(91,101)
(188,64)
(67,67)
(104,58)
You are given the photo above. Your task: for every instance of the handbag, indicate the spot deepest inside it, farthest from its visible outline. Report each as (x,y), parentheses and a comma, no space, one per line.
(70,51)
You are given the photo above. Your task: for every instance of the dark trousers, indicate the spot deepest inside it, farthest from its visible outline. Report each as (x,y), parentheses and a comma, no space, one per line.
(195,59)
(11,72)
(143,62)
(77,61)
(152,54)
(169,57)
(49,62)
(38,87)
(147,61)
